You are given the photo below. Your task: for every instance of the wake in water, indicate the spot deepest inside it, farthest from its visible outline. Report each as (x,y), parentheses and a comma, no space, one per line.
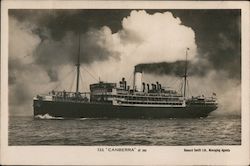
(47,116)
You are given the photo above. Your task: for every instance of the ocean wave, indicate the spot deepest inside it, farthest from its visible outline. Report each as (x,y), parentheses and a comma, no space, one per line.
(47,116)
(84,118)
(90,118)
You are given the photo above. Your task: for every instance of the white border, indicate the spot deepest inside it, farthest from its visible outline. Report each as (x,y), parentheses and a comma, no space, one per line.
(156,155)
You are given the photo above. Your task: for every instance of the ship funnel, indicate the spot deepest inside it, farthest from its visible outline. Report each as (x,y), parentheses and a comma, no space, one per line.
(138,79)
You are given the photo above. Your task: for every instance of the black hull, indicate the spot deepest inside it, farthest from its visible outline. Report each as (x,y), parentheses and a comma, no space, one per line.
(101,110)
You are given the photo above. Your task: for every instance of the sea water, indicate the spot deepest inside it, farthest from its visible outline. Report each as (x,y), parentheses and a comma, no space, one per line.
(47,130)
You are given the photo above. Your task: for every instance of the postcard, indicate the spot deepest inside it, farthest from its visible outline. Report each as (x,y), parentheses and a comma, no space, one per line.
(125,83)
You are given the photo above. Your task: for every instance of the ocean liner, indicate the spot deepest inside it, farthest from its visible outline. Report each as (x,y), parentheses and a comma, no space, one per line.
(112,100)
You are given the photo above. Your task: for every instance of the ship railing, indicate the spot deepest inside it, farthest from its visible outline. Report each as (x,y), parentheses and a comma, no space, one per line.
(173,104)
(204,100)
(64,96)
(150,95)
(158,94)
(211,100)
(150,98)
(70,99)
(60,93)
(153,101)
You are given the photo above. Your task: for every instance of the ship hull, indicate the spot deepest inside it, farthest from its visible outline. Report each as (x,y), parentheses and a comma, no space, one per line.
(101,110)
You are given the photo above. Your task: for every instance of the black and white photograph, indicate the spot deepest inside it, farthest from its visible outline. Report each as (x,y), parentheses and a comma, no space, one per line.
(123,78)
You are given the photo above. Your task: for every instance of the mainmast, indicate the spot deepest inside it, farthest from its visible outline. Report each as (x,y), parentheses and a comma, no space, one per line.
(78,65)
(185,74)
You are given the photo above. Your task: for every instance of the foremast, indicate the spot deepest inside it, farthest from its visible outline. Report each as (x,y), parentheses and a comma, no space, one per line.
(78,66)
(185,75)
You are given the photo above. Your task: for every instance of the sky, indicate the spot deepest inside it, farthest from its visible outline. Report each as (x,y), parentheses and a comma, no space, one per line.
(43,45)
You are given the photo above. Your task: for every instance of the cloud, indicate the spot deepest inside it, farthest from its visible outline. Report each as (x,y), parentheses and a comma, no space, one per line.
(25,77)
(165,40)
(162,36)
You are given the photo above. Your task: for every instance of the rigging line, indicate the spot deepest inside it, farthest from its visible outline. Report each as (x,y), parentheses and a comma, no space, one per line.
(81,82)
(130,79)
(190,83)
(180,87)
(94,73)
(173,82)
(143,77)
(168,76)
(84,71)
(72,83)
(167,79)
(81,78)
(66,75)
(180,82)
(89,73)
(146,80)
(189,90)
